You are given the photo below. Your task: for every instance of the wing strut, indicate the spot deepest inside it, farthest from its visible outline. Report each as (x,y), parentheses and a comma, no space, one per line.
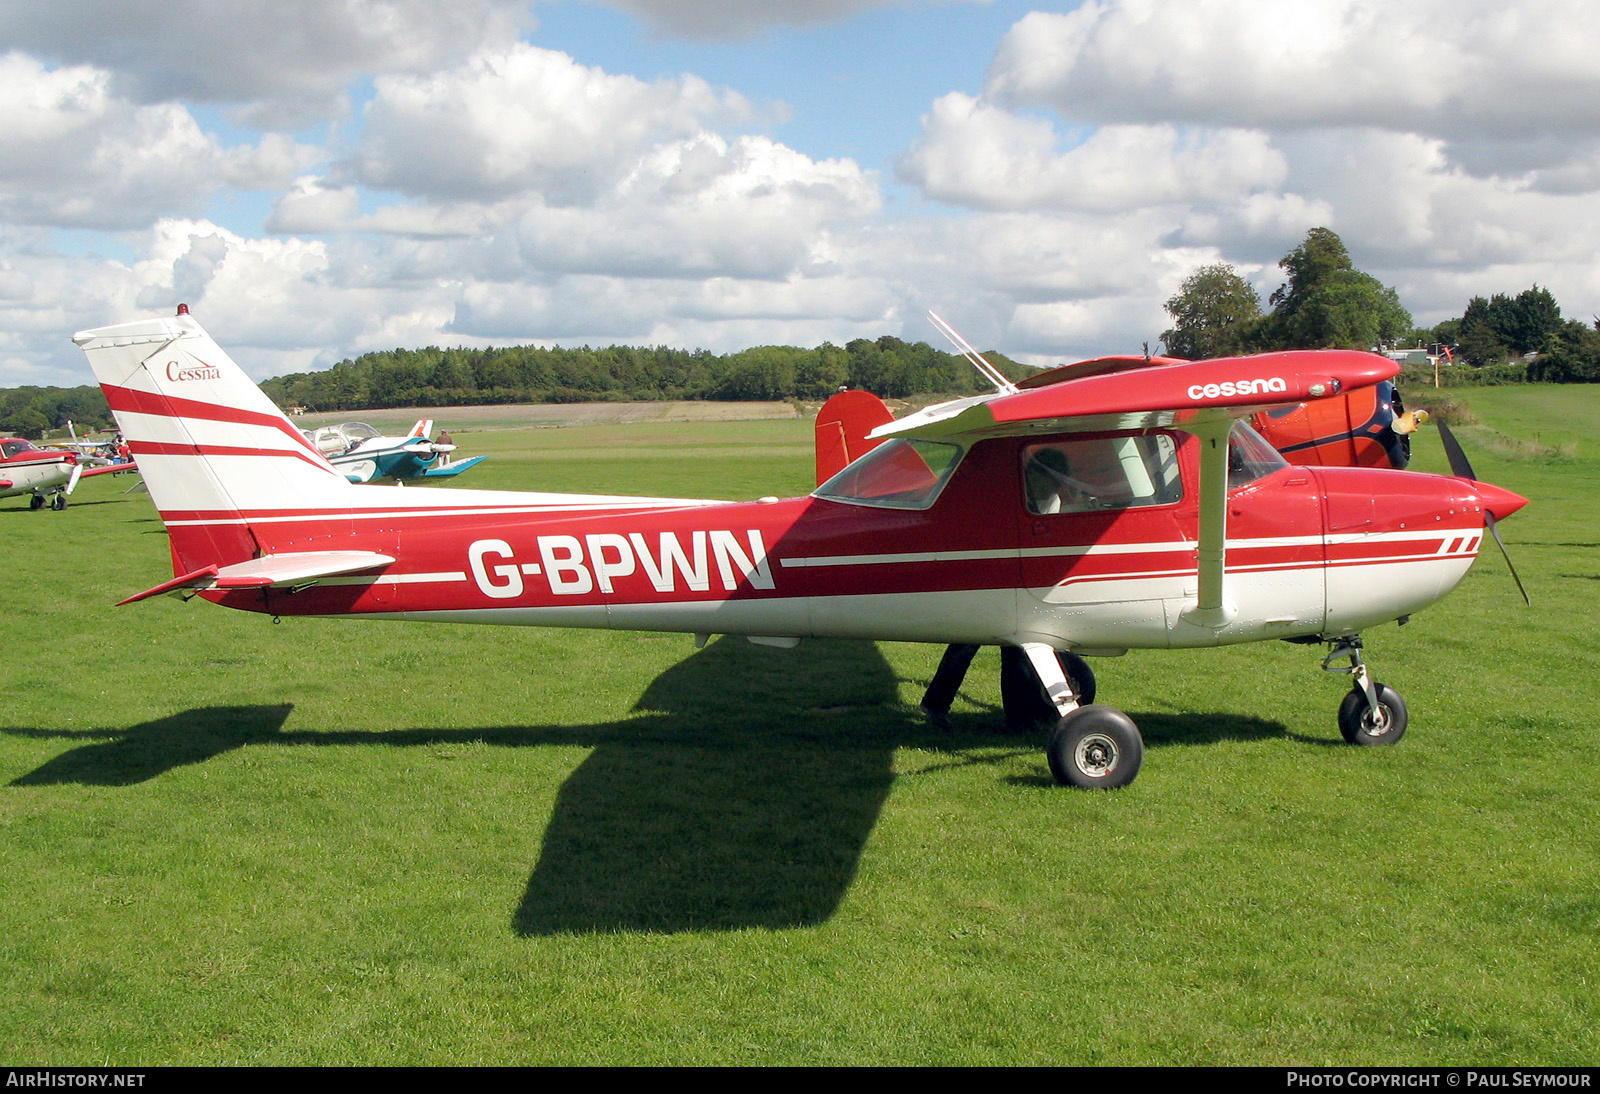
(1211,607)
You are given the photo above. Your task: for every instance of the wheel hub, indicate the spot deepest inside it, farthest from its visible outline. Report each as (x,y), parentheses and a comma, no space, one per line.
(1096,755)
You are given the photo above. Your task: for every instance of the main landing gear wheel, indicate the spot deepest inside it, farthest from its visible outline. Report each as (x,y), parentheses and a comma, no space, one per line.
(1095,748)
(36,502)
(1363,724)
(1027,707)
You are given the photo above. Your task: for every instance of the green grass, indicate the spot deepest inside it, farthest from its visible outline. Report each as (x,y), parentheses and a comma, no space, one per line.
(336,841)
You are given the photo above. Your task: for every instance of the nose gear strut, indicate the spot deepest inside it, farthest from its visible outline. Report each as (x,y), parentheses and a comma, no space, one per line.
(1372,713)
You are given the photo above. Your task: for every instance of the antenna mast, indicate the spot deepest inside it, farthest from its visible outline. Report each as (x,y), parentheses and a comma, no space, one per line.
(990,373)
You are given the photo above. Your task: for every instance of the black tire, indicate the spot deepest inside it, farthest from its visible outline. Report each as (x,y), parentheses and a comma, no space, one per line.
(1361,726)
(36,502)
(1095,748)
(1027,706)
(59,502)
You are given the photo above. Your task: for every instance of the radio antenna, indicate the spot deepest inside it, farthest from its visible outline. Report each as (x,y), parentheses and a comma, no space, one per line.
(990,373)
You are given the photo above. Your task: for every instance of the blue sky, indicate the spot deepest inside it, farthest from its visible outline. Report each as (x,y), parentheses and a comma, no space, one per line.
(319,178)
(855,89)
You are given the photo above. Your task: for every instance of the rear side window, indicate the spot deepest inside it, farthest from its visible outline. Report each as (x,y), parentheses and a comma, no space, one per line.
(898,474)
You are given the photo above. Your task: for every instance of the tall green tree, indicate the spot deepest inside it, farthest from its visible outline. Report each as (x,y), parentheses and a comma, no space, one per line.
(1479,345)
(1214,314)
(1571,356)
(1521,324)
(1328,303)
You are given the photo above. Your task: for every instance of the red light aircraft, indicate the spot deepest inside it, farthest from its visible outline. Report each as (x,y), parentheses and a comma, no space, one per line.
(45,474)
(1092,514)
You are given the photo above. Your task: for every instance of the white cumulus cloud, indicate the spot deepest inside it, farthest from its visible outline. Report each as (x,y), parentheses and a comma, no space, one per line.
(72,153)
(282,62)
(714,19)
(1451,68)
(525,120)
(973,153)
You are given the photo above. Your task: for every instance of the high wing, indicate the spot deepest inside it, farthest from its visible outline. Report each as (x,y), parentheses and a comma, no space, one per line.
(1204,398)
(1164,393)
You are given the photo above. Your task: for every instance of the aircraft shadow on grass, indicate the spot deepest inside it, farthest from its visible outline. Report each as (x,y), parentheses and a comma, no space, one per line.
(740,795)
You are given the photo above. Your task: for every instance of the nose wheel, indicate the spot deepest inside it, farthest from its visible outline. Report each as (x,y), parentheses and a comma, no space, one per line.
(1372,713)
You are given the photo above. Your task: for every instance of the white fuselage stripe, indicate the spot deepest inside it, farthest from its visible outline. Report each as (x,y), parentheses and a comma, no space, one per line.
(1178,546)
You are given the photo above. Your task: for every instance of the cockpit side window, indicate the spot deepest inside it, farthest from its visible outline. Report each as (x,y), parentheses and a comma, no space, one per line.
(898,474)
(1087,474)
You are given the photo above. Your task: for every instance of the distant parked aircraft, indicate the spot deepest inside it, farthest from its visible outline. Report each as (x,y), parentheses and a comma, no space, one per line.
(362,454)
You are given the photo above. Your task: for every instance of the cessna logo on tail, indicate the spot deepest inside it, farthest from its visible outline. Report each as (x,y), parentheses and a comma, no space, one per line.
(198,371)
(1237,387)
(573,566)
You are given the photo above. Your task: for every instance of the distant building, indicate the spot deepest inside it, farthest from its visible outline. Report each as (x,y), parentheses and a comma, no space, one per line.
(1421,355)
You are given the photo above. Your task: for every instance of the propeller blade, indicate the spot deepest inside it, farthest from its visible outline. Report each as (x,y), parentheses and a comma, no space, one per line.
(1489,522)
(1460,466)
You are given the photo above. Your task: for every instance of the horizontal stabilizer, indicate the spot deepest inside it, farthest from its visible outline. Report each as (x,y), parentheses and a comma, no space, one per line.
(260,573)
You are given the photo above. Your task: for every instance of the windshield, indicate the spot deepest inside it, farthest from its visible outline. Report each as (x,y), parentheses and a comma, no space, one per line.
(1250,457)
(898,474)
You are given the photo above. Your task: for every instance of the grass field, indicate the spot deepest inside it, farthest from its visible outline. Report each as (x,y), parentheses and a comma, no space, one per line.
(330,842)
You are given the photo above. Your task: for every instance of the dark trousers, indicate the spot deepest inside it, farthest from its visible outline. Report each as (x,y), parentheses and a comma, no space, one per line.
(947,679)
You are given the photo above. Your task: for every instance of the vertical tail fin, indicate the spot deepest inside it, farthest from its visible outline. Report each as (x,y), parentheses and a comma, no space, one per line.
(213,450)
(841,430)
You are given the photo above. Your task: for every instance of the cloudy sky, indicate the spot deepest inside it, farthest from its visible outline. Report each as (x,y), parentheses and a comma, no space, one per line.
(319,178)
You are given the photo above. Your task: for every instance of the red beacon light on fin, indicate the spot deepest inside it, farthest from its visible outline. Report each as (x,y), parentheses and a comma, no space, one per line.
(183,309)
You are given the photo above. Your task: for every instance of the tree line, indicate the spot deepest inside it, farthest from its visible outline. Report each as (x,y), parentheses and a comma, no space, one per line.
(432,376)
(33,411)
(1327,303)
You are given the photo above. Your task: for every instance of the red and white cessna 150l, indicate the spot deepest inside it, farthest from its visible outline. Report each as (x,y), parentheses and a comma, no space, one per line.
(1125,510)
(45,474)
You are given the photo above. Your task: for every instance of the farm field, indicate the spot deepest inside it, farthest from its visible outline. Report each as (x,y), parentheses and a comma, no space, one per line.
(224,841)
(552,415)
